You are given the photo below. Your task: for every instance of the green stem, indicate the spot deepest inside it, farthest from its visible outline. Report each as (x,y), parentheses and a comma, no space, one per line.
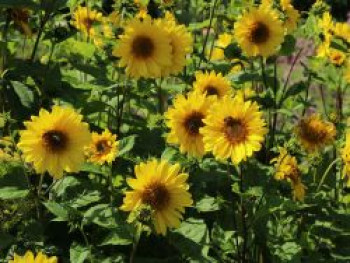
(40,32)
(243,218)
(86,240)
(326,173)
(135,243)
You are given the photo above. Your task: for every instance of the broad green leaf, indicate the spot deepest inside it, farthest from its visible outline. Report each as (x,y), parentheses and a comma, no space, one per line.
(12,193)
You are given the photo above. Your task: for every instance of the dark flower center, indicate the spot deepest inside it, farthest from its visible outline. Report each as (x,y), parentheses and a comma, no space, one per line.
(102,147)
(211,90)
(194,122)
(87,22)
(55,141)
(142,47)
(156,195)
(235,130)
(260,33)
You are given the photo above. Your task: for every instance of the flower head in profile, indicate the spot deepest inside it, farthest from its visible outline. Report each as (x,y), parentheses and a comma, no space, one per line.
(314,133)
(233,129)
(29,257)
(144,49)
(181,44)
(163,187)
(103,148)
(259,32)
(212,84)
(292,15)
(287,169)
(185,119)
(55,141)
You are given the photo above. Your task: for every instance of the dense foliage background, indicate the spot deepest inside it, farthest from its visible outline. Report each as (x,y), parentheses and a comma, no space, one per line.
(238,215)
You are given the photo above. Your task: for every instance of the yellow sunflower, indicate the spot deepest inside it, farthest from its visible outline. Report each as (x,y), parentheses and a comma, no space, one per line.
(259,31)
(223,41)
(103,148)
(55,141)
(314,133)
(144,49)
(336,57)
(292,15)
(181,43)
(212,84)
(234,129)
(342,30)
(164,188)
(84,20)
(185,119)
(30,258)
(287,169)
(346,159)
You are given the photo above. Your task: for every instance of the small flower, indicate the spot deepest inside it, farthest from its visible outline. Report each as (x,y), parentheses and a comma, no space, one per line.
(287,169)
(103,148)
(314,133)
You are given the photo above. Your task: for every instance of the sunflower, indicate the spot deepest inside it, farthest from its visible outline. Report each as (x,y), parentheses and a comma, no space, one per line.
(20,17)
(84,20)
(342,30)
(292,15)
(181,43)
(55,141)
(259,31)
(212,84)
(315,133)
(223,41)
(30,258)
(185,119)
(103,148)
(287,169)
(337,57)
(346,159)
(144,49)
(234,129)
(162,187)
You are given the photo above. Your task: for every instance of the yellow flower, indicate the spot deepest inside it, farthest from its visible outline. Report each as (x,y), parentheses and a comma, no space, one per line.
(326,23)
(245,93)
(55,141)
(342,30)
(114,18)
(181,43)
(30,258)
(84,20)
(144,49)
(346,159)
(103,148)
(185,119)
(238,66)
(164,188)
(337,57)
(224,40)
(323,49)
(233,129)
(314,133)
(259,31)
(212,84)
(293,15)
(287,169)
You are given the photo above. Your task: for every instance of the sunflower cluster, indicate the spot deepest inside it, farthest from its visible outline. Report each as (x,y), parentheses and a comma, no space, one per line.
(287,169)
(153,48)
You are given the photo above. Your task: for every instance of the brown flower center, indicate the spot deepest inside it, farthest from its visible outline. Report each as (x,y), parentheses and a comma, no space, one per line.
(260,33)
(194,122)
(87,22)
(143,47)
(156,195)
(55,141)
(235,130)
(211,90)
(102,147)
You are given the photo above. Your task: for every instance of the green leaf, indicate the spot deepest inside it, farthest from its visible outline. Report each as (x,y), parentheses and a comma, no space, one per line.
(208,204)
(58,210)
(7,193)
(6,240)
(18,4)
(103,215)
(126,144)
(295,89)
(119,237)
(288,46)
(25,95)
(78,253)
